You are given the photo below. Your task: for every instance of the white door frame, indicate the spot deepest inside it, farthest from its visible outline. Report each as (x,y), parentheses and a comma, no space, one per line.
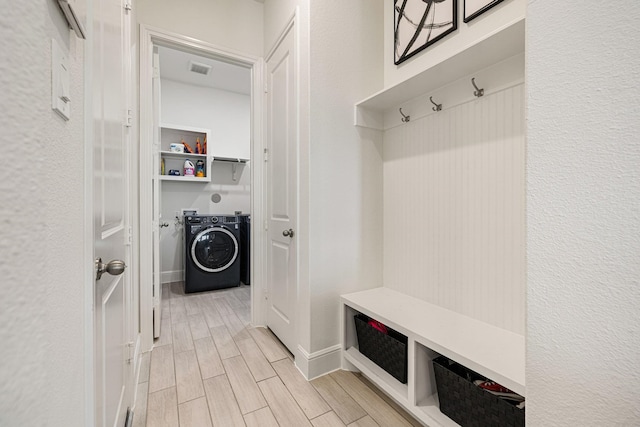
(150,36)
(89,256)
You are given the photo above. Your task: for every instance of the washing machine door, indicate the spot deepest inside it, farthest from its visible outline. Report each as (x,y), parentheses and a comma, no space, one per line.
(214,249)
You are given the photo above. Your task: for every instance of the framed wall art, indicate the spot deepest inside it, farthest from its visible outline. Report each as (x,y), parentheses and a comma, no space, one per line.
(475,8)
(420,23)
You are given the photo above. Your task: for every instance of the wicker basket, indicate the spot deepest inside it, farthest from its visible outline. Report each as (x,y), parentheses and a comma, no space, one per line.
(467,404)
(389,351)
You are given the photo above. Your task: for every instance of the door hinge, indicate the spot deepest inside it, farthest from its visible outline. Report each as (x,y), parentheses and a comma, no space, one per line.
(266,155)
(266,89)
(127,5)
(131,350)
(266,225)
(128,118)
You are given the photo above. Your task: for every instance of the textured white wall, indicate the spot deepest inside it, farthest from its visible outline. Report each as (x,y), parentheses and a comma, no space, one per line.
(466,35)
(226,114)
(583,214)
(277,14)
(41,224)
(231,24)
(345,171)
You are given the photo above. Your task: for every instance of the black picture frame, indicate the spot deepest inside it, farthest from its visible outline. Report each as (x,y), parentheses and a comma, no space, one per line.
(417,24)
(475,8)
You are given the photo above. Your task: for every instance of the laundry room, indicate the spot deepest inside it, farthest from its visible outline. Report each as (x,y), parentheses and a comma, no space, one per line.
(203,162)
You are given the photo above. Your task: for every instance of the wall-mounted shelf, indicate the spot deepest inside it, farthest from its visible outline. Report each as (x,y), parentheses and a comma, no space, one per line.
(502,44)
(431,331)
(183,178)
(183,155)
(169,134)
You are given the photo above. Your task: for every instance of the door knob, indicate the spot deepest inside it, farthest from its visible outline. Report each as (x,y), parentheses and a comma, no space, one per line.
(288,233)
(114,267)
(164,224)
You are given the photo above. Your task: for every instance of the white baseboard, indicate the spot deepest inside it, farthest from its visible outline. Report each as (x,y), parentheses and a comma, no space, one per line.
(318,363)
(171,276)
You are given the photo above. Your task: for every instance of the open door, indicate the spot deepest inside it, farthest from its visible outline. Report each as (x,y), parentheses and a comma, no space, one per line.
(111,214)
(150,195)
(157,285)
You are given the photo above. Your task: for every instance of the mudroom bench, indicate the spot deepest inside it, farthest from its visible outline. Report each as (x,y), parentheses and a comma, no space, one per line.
(431,331)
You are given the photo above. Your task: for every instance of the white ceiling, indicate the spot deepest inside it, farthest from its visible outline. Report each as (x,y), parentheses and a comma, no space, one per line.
(174,65)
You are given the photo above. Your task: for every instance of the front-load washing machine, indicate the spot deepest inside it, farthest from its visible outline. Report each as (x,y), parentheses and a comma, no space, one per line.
(212,252)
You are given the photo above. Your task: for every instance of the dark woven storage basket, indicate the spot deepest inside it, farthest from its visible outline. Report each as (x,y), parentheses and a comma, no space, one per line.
(467,404)
(389,351)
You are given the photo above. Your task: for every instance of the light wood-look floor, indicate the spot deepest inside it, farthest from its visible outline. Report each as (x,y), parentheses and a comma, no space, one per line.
(211,368)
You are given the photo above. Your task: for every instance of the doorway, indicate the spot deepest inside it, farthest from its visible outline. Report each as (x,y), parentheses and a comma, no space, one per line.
(231,179)
(205,153)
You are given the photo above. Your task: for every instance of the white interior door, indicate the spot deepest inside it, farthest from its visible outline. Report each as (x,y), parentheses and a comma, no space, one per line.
(282,190)
(111,214)
(157,284)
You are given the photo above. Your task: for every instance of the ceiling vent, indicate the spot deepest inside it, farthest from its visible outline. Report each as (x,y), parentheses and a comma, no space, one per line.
(197,67)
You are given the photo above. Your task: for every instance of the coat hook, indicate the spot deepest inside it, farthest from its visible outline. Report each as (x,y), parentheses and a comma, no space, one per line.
(437,107)
(404,118)
(478,92)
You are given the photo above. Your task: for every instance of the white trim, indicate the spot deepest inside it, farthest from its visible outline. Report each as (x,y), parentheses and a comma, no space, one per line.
(319,363)
(292,21)
(146,188)
(89,256)
(178,41)
(136,361)
(300,312)
(258,202)
(150,36)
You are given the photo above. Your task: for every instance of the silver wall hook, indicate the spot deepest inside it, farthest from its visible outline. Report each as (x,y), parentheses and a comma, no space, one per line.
(478,92)
(438,107)
(404,118)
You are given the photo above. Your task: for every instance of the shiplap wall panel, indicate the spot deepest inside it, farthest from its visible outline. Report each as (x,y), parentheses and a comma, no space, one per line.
(454,231)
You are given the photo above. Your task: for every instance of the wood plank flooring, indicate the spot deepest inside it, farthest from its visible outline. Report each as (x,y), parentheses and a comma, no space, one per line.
(210,368)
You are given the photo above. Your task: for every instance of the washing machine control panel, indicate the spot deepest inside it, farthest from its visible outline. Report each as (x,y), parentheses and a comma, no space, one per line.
(201,220)
(213,219)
